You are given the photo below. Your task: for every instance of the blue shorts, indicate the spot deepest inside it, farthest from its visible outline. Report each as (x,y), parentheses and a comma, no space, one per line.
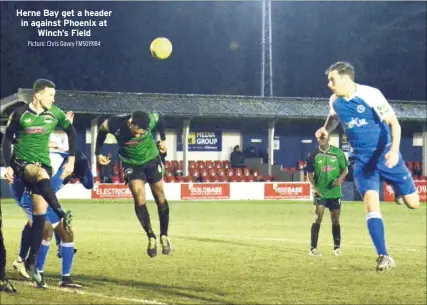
(27,205)
(370,168)
(23,197)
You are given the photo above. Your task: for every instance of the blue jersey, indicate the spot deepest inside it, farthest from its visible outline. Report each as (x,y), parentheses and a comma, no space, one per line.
(362,117)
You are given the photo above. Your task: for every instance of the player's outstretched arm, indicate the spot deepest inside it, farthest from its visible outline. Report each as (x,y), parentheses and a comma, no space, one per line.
(69,167)
(100,139)
(331,122)
(161,129)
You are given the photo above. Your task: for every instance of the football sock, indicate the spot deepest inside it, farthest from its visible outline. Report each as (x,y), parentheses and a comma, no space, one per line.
(315,227)
(376,230)
(42,255)
(144,218)
(163,210)
(67,253)
(336,233)
(36,236)
(25,242)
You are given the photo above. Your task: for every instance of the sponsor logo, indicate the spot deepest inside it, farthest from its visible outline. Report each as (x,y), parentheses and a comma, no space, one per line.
(287,190)
(205,191)
(48,120)
(356,122)
(328,168)
(128,172)
(360,108)
(111,191)
(34,130)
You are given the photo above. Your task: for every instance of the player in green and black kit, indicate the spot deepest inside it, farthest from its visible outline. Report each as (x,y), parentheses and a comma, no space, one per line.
(327,168)
(29,127)
(141,161)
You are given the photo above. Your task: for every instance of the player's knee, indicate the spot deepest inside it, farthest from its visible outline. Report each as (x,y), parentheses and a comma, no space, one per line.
(412,201)
(41,174)
(318,219)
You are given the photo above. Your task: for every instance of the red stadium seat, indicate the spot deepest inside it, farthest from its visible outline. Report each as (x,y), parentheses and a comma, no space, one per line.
(249,178)
(189,179)
(268,178)
(255,172)
(229,172)
(192,164)
(168,164)
(217,164)
(204,172)
(246,172)
(301,165)
(238,172)
(174,164)
(116,180)
(220,172)
(201,164)
(179,179)
(212,172)
(226,164)
(209,164)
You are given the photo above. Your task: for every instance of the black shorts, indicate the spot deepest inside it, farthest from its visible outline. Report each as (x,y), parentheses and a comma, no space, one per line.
(18,167)
(150,172)
(331,204)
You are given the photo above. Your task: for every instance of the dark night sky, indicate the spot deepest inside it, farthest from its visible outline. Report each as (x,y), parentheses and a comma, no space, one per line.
(386,41)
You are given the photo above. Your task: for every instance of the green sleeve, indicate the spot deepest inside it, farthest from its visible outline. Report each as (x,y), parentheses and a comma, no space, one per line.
(342,160)
(63,122)
(154,118)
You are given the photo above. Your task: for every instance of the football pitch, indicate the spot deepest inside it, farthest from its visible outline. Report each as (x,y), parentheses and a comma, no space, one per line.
(253,252)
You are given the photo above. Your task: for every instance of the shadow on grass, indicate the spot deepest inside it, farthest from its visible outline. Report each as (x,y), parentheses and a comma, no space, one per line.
(171,291)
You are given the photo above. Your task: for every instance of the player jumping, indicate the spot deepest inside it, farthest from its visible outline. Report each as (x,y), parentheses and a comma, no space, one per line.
(374,133)
(140,158)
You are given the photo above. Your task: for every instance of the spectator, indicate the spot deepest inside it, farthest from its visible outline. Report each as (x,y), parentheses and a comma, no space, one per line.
(237,159)
(250,152)
(106,171)
(265,157)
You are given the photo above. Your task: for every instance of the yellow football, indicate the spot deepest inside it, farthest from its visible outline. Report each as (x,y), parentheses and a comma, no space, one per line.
(161,48)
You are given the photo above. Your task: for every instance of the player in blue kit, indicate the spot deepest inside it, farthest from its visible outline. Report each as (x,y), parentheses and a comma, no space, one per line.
(374,133)
(23,199)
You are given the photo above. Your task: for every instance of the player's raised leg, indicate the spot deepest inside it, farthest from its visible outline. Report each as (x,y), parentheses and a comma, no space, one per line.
(158,191)
(137,188)
(319,209)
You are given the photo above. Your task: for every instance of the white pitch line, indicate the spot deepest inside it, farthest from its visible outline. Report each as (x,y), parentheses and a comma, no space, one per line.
(142,301)
(359,244)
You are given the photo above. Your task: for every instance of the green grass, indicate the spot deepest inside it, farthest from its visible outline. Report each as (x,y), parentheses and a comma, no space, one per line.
(229,253)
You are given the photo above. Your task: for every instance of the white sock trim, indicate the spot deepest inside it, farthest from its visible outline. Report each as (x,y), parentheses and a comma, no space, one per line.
(46,242)
(373,215)
(67,245)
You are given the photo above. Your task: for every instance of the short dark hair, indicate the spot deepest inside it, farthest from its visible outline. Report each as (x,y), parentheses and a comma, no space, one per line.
(343,68)
(41,84)
(141,119)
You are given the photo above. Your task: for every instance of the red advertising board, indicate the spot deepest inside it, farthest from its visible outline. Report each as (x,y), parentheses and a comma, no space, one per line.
(287,190)
(197,191)
(111,191)
(421,188)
